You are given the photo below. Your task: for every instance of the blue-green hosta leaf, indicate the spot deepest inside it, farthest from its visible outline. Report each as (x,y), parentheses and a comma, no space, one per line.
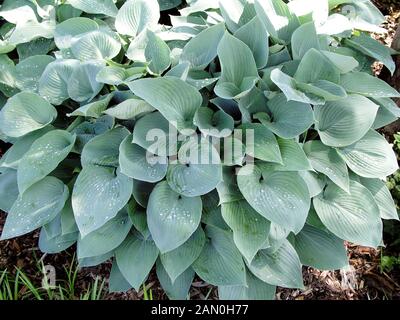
(16,11)
(141,192)
(137,15)
(231,11)
(239,71)
(218,124)
(168,4)
(8,71)
(228,190)
(315,182)
(67,32)
(367,85)
(324,89)
(130,109)
(138,217)
(179,289)
(29,71)
(137,163)
(255,290)
(277,236)
(8,189)
(118,75)
(135,258)
(370,157)
(326,160)
(94,261)
(388,112)
(281,267)
(304,38)
(40,46)
(172,218)
(320,249)
(289,87)
(31,30)
(255,37)
(117,282)
(265,146)
(316,66)
(281,197)
(382,197)
(155,134)
(103,150)
(288,118)
(25,112)
(176,100)
(177,261)
(198,170)
(277,18)
(220,263)
(13,156)
(36,207)
(82,85)
(53,84)
(343,122)
(106,7)
(93,109)
(250,229)
(99,194)
(68,224)
(196,53)
(57,244)
(157,53)
(293,156)
(105,239)
(372,48)
(343,62)
(351,216)
(43,157)
(96,45)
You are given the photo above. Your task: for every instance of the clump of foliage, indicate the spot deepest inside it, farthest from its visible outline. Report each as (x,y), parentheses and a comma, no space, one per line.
(84,82)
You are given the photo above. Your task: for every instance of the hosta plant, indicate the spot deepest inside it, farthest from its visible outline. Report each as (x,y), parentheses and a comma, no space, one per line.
(234,140)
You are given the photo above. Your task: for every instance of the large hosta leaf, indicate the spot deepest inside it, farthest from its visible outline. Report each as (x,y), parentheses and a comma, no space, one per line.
(255,290)
(29,72)
(320,249)
(135,258)
(198,170)
(281,268)
(220,262)
(43,157)
(96,45)
(218,124)
(172,218)
(25,112)
(351,216)
(36,207)
(281,197)
(103,150)
(261,143)
(53,84)
(105,239)
(137,163)
(293,156)
(196,53)
(176,100)
(382,197)
(8,189)
(178,290)
(99,194)
(367,85)
(250,229)
(106,7)
(288,118)
(137,15)
(370,157)
(82,85)
(255,37)
(239,71)
(67,31)
(177,261)
(343,122)
(326,160)
(130,109)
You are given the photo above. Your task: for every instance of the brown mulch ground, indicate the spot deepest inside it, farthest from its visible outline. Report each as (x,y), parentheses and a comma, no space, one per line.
(363,279)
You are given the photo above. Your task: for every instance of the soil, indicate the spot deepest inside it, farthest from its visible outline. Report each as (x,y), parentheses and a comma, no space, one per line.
(363,280)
